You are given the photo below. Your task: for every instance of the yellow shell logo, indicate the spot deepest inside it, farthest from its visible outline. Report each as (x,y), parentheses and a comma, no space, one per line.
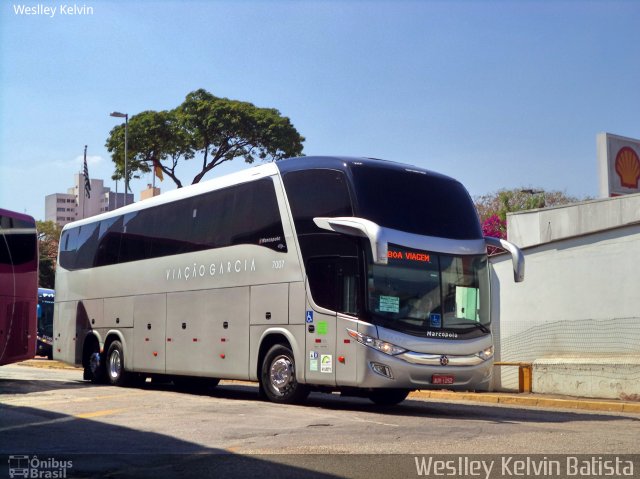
(628,167)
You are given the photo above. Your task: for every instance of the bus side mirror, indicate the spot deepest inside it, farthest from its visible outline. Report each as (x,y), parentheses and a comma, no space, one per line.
(358,227)
(517,258)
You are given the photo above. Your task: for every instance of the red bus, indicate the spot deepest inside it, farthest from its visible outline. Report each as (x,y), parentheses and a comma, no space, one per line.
(18,287)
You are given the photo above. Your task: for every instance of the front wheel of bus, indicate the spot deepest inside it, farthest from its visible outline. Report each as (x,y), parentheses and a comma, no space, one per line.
(278,377)
(115,365)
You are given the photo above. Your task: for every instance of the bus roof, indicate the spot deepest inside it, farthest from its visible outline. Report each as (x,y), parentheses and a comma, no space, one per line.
(260,171)
(343,162)
(21,220)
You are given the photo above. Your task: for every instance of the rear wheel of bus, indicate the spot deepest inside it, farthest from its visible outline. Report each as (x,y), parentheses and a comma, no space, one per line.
(278,377)
(116,373)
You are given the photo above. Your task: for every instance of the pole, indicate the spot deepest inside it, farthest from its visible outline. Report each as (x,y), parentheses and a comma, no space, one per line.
(126,177)
(117,114)
(85,180)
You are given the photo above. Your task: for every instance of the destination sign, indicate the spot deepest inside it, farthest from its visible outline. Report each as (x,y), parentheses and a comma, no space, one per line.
(409,256)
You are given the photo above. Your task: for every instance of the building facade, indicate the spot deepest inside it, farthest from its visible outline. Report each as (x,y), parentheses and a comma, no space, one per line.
(63,208)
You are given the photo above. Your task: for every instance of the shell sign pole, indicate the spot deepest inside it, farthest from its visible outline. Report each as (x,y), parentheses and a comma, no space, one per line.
(619,165)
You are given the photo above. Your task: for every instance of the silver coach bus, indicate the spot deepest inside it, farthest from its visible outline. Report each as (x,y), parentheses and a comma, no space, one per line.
(351,274)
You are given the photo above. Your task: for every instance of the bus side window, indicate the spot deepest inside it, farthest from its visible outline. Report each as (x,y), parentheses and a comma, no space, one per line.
(108,241)
(68,246)
(315,193)
(334,283)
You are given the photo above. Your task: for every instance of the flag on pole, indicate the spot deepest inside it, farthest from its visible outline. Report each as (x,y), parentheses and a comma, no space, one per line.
(87,182)
(158,170)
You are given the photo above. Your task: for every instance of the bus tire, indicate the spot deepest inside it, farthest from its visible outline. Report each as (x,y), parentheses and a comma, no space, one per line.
(114,365)
(94,369)
(388,397)
(278,377)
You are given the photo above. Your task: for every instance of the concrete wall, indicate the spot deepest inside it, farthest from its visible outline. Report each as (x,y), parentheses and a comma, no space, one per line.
(577,314)
(534,227)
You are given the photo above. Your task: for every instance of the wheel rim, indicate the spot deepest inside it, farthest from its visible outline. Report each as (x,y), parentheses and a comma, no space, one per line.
(115,364)
(281,374)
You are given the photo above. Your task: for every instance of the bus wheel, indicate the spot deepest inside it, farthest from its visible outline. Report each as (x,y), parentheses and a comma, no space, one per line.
(93,366)
(115,365)
(388,397)
(278,378)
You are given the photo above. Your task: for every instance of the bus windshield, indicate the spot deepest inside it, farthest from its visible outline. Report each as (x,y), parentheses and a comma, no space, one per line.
(421,291)
(45,313)
(415,202)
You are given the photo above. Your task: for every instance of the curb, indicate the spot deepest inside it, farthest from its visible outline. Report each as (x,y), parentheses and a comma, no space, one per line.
(43,363)
(583,404)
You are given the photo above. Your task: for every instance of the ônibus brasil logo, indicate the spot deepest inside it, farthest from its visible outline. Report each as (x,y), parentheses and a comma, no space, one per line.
(33,467)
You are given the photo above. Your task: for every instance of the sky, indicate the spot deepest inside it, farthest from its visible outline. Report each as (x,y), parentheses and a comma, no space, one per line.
(501,94)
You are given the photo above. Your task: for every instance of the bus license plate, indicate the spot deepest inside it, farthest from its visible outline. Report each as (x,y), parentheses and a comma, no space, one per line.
(442,379)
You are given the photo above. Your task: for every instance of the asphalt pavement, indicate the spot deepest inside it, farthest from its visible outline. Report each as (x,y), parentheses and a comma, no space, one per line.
(506,398)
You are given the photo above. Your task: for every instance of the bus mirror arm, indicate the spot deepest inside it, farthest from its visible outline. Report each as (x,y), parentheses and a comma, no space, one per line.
(517,258)
(358,227)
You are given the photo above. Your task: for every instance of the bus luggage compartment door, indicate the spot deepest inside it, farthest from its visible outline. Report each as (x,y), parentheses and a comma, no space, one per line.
(65,329)
(208,333)
(149,320)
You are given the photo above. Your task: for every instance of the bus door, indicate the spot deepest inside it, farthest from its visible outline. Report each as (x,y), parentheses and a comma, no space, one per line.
(333,289)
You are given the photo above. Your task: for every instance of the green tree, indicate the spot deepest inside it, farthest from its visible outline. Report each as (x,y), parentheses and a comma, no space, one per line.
(156,139)
(48,240)
(505,201)
(214,129)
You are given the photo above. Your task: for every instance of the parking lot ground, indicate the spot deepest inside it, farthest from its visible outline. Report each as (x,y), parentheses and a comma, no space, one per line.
(510,398)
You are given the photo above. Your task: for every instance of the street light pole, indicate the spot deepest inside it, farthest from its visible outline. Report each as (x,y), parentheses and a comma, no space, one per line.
(117,114)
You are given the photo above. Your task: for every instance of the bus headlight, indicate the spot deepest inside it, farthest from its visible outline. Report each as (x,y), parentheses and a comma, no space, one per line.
(383,346)
(486,354)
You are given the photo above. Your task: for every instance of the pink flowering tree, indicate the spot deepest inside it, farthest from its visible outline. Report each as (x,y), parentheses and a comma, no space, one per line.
(494,226)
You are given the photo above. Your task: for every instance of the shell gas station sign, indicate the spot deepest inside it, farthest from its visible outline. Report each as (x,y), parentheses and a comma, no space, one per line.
(619,165)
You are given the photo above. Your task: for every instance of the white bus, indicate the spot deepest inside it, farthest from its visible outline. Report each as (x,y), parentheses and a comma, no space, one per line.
(314,273)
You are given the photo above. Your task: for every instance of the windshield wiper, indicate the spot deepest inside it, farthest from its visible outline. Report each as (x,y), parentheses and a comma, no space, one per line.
(479,326)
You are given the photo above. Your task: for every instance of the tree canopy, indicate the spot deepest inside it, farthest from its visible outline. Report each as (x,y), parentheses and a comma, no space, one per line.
(213,129)
(48,239)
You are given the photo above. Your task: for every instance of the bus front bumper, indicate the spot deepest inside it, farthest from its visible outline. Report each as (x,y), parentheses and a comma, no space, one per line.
(423,371)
